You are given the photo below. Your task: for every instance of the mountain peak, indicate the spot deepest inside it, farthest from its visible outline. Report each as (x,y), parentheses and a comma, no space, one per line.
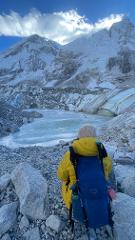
(38,40)
(34,38)
(123,25)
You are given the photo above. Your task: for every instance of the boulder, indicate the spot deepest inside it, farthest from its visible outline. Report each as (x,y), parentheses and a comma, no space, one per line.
(32,234)
(7,217)
(122,156)
(84,237)
(121,132)
(92,235)
(43,228)
(4,181)
(124,217)
(125,176)
(31,188)
(54,223)
(24,222)
(6,237)
(132,144)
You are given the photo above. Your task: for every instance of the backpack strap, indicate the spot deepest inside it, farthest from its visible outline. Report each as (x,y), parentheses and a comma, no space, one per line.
(102,150)
(74,163)
(73,157)
(102,153)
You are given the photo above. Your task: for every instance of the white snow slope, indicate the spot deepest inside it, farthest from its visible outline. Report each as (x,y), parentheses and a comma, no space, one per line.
(104,60)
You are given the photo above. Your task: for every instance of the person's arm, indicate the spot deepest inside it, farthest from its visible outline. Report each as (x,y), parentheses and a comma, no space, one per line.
(107,162)
(62,172)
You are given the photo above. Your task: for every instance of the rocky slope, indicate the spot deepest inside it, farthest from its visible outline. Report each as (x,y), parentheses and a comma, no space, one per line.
(11,118)
(103,101)
(18,185)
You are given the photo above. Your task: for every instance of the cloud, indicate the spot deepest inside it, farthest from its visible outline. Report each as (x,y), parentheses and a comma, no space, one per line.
(62,27)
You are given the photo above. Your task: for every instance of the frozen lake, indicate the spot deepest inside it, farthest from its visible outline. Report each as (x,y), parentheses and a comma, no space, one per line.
(56,125)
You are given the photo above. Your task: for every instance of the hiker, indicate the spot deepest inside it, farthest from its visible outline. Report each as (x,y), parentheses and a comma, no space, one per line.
(84,173)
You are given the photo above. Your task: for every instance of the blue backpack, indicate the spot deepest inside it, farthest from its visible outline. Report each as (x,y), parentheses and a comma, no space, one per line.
(90,200)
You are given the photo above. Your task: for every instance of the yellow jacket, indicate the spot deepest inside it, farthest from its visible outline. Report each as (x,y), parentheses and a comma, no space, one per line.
(85,147)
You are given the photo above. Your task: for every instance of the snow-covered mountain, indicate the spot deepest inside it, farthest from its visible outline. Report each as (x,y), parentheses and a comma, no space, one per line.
(108,56)
(106,60)
(38,60)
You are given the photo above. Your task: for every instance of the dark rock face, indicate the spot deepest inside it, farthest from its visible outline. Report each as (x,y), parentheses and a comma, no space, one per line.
(11,118)
(125,61)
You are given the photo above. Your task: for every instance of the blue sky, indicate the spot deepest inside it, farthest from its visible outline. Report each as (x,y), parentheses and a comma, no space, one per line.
(59,20)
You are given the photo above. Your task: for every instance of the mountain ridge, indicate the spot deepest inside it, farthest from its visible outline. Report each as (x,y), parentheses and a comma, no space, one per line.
(95,61)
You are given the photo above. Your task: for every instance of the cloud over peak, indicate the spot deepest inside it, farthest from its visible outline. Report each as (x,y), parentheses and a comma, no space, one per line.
(62,27)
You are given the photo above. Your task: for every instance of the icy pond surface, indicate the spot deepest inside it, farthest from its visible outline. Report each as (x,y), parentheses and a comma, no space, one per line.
(54,126)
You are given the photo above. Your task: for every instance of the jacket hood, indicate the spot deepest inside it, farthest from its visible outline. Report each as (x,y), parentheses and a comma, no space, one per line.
(85,146)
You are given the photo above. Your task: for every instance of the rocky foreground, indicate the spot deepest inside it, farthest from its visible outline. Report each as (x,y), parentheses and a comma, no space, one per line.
(30,200)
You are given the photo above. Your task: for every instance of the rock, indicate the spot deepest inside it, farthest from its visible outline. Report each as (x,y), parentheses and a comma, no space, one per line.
(132,145)
(43,228)
(121,130)
(7,217)
(32,234)
(64,213)
(110,150)
(24,222)
(125,176)
(62,142)
(124,156)
(6,237)
(91,235)
(4,181)
(124,217)
(54,223)
(25,120)
(83,237)
(31,189)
